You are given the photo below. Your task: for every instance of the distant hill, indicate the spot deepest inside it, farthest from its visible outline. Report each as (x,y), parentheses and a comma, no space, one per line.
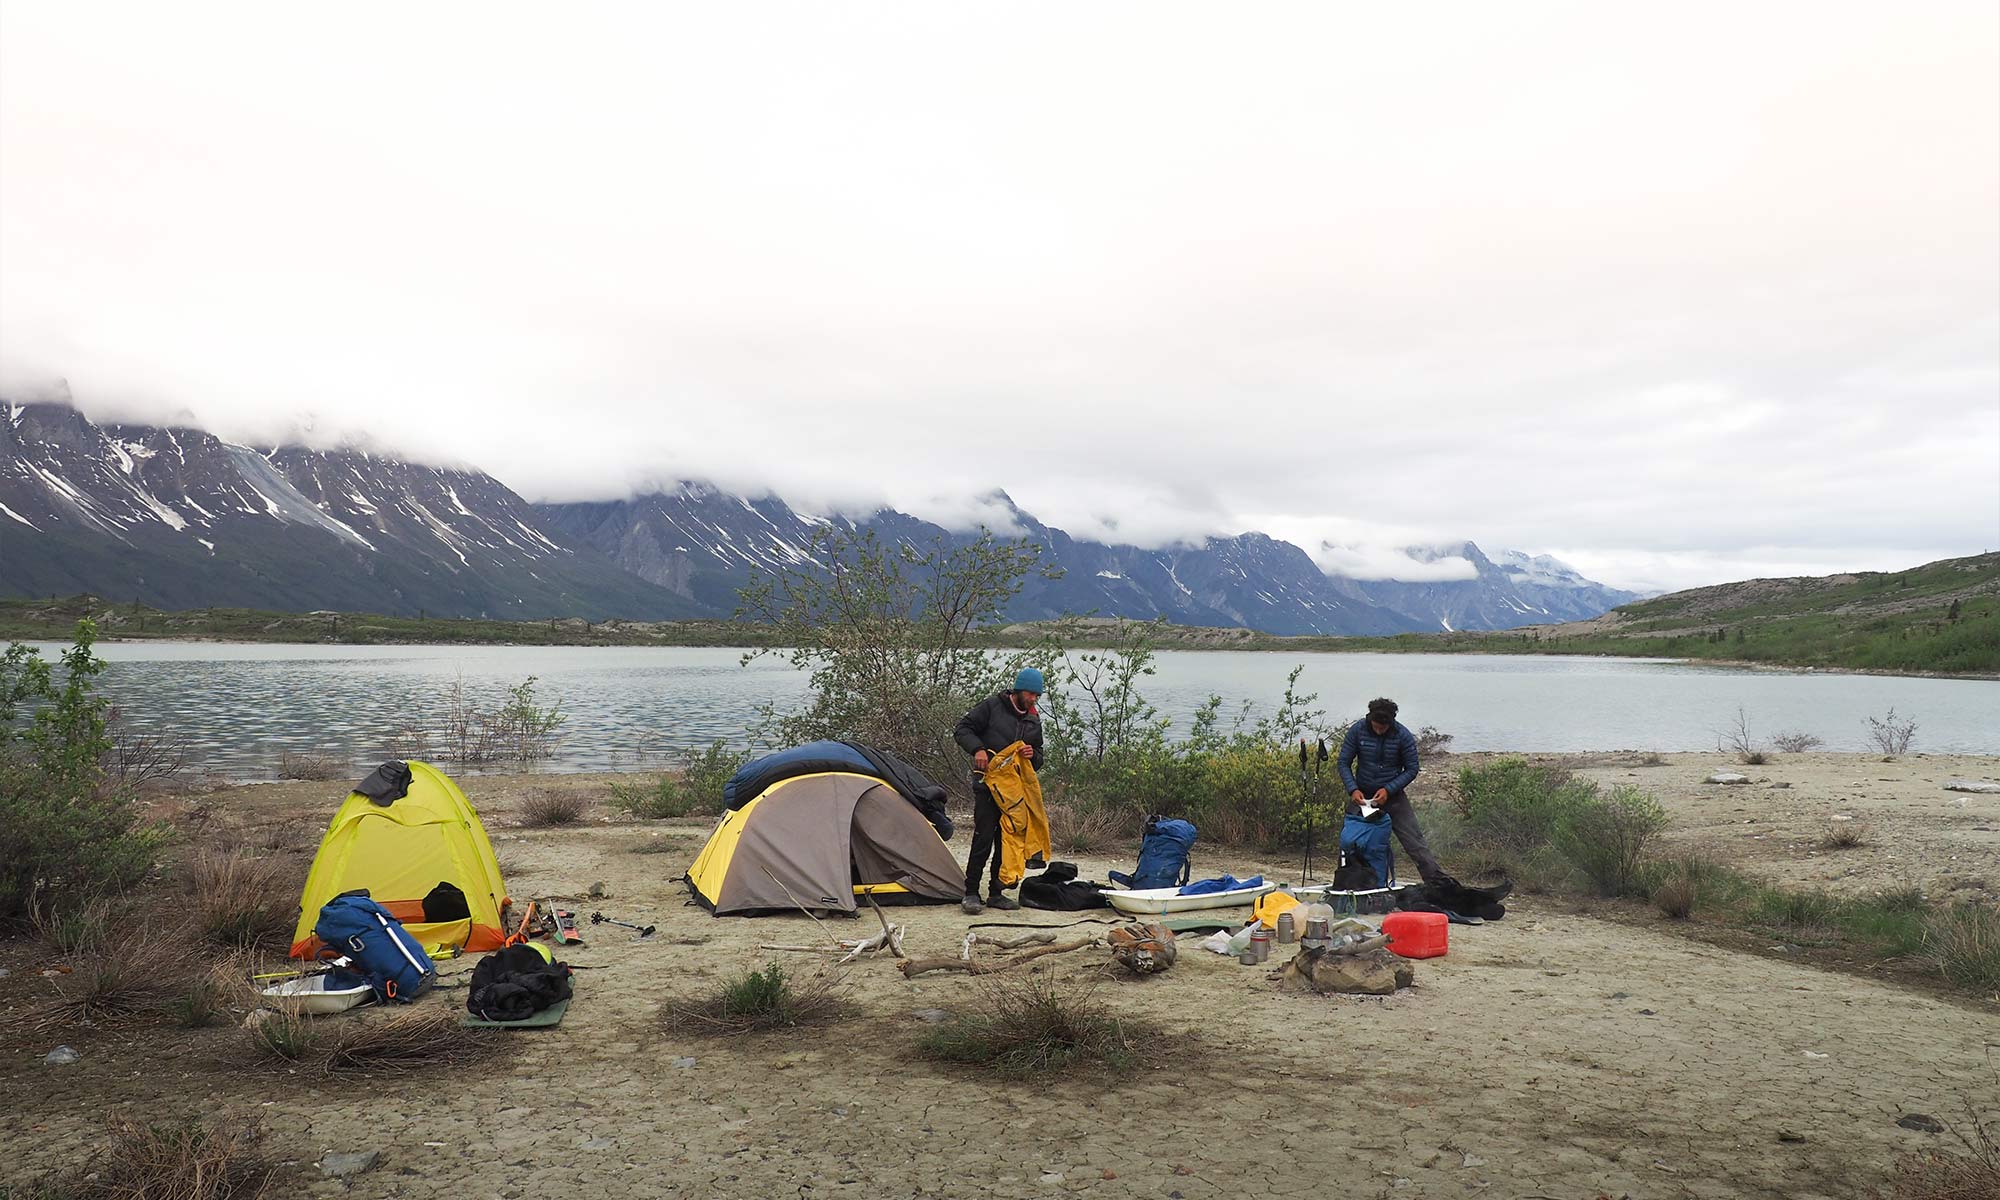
(1943,616)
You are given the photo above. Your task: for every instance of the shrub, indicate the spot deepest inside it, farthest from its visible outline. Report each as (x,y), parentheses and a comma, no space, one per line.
(1963,942)
(309,764)
(1892,734)
(887,634)
(548,806)
(1606,837)
(1432,740)
(761,1000)
(243,902)
(696,790)
(1845,835)
(1737,740)
(68,829)
(1027,1024)
(1797,743)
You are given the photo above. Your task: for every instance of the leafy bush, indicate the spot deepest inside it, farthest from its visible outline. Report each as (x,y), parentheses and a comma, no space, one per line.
(68,829)
(760,1000)
(1028,1024)
(1606,837)
(886,635)
(1432,740)
(1546,828)
(695,790)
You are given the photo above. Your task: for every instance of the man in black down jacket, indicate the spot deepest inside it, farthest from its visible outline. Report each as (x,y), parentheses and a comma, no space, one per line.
(994,724)
(1378,759)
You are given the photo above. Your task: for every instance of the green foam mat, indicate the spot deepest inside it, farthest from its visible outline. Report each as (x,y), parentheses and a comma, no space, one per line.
(552,1015)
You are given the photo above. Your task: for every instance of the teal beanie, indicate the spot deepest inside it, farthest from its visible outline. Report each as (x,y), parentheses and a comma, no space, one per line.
(1029,680)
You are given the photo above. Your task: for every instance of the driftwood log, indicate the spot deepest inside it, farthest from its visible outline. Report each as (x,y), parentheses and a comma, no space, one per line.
(913,967)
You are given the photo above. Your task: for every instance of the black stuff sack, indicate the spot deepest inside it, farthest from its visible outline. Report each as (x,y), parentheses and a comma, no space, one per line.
(515,983)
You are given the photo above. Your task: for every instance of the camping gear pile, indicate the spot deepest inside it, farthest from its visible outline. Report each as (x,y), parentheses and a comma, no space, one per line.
(404,876)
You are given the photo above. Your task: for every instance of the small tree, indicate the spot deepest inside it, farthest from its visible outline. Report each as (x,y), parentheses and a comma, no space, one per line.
(886,633)
(1738,741)
(67,828)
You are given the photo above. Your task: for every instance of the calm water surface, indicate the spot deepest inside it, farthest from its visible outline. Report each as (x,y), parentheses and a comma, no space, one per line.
(240,705)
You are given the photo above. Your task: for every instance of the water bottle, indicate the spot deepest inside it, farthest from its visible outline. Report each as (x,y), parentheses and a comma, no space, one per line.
(1288,930)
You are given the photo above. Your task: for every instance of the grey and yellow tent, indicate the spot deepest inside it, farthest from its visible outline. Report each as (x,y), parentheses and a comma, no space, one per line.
(820,841)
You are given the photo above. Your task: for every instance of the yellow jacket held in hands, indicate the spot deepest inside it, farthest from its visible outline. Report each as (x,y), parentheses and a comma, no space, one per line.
(1024,823)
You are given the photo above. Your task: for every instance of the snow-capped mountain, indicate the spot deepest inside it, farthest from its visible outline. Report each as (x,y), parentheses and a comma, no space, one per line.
(177,518)
(1507,591)
(705,544)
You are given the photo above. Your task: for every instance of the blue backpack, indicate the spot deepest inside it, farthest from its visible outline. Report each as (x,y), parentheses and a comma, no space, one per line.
(1367,841)
(1163,855)
(387,959)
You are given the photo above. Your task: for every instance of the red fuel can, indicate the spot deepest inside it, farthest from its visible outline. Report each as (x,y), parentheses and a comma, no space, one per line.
(1416,934)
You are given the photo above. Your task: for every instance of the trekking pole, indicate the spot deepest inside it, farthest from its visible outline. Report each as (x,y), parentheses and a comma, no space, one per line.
(1312,816)
(1319,779)
(598,918)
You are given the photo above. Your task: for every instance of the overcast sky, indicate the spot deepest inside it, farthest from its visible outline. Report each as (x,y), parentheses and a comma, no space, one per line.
(1680,293)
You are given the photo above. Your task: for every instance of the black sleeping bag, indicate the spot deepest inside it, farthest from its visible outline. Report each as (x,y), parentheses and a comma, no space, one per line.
(1059,890)
(513,984)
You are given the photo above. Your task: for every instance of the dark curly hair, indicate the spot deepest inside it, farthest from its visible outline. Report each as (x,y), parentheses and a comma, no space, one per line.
(1382,709)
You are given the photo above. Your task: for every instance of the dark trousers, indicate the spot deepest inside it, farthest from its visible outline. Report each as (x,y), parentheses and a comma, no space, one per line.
(1403,821)
(985,840)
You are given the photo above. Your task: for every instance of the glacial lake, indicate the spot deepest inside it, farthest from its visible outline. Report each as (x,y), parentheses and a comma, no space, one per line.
(239,705)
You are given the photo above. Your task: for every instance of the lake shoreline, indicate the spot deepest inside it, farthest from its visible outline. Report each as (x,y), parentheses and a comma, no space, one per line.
(1318,646)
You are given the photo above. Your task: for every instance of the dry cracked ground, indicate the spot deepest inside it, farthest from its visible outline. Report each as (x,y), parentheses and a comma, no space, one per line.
(1555,1054)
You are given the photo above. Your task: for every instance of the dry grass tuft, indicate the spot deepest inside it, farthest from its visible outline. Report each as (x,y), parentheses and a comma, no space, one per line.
(1963,942)
(1676,895)
(1950,1175)
(1027,1024)
(310,764)
(411,1039)
(549,806)
(180,1160)
(1078,829)
(139,970)
(79,930)
(1845,835)
(244,902)
(760,1000)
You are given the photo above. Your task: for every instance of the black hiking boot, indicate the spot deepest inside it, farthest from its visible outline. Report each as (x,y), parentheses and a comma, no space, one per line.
(1001,901)
(971,906)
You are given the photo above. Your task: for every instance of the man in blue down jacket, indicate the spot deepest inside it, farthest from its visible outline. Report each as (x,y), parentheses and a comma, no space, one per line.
(1378,759)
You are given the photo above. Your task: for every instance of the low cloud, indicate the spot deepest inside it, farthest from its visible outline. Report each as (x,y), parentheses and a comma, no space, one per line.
(1391,562)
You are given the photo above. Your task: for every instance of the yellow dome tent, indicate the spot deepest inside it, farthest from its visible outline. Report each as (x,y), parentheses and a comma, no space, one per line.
(400,840)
